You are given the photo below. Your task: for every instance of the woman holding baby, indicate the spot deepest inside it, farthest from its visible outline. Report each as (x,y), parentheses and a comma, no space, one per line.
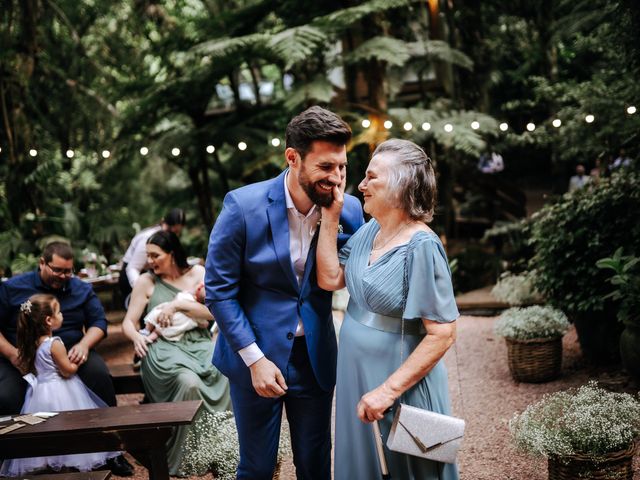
(174,367)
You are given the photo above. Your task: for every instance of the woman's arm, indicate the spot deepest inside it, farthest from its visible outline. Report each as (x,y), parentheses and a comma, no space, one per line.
(440,336)
(59,354)
(139,299)
(328,269)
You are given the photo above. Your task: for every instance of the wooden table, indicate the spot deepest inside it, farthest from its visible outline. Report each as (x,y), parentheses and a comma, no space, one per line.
(141,430)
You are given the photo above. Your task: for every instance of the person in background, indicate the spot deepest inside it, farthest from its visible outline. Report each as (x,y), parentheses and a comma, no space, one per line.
(621,161)
(277,343)
(85,325)
(580,179)
(53,383)
(596,172)
(134,261)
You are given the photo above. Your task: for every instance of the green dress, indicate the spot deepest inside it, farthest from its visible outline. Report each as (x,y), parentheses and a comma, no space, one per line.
(182,370)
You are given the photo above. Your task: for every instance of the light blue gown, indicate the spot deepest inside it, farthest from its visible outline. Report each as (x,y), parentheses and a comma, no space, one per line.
(370,347)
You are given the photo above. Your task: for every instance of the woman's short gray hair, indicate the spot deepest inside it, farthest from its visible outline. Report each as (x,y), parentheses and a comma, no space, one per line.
(411,178)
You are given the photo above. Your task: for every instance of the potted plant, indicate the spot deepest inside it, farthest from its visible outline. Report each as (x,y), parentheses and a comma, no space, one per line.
(587,432)
(568,237)
(626,280)
(517,289)
(534,341)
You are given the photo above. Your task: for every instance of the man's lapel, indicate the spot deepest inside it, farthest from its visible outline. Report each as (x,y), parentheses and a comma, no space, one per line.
(279,223)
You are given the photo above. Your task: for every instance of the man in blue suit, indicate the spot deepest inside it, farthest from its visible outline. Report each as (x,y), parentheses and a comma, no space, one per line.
(277,344)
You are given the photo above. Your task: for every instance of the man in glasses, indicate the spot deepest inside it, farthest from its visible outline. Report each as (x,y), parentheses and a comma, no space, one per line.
(83,327)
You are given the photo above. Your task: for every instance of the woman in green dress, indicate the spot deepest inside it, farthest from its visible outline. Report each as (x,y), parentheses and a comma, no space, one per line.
(175,370)
(379,363)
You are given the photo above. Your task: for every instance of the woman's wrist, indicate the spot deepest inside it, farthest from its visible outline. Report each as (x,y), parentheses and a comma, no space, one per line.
(388,388)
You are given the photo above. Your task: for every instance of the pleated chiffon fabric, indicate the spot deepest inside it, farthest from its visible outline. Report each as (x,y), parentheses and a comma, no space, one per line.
(370,347)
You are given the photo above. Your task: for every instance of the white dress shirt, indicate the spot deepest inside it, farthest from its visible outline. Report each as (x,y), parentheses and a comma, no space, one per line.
(302,228)
(136,255)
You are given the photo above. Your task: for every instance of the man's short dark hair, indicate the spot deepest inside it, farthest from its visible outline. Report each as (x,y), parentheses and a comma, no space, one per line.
(175,217)
(60,249)
(316,123)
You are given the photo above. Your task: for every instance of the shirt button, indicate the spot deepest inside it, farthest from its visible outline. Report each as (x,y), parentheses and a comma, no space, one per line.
(290,336)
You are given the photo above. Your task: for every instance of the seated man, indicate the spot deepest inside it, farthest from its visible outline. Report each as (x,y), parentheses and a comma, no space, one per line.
(84,326)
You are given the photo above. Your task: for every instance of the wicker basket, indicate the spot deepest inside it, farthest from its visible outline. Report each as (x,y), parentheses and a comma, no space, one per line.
(615,465)
(536,360)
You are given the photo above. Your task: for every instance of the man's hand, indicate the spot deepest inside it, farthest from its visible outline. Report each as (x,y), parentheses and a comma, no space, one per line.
(267,379)
(78,354)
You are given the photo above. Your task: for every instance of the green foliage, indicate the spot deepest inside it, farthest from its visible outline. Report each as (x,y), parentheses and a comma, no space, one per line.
(570,235)
(475,268)
(626,283)
(587,420)
(531,322)
(516,289)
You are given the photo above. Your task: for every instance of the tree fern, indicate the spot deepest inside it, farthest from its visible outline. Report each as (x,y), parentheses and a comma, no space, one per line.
(319,90)
(442,51)
(387,49)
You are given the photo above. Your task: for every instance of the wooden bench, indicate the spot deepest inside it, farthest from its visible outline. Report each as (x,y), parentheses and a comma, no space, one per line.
(126,379)
(141,430)
(99,475)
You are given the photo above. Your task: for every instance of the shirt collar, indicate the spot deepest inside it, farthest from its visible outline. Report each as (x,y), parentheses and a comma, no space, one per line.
(289,201)
(40,285)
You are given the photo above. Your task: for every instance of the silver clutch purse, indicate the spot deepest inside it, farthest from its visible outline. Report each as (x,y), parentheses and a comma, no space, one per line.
(425,434)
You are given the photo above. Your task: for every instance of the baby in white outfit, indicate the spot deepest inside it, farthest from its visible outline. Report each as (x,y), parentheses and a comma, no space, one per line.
(180,323)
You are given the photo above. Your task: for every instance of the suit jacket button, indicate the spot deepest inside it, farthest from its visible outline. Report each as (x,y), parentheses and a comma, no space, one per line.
(289,336)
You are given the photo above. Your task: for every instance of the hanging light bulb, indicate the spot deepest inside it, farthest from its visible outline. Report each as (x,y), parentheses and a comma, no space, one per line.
(33,152)
(366,123)
(475,125)
(426,126)
(175,151)
(144,151)
(504,127)
(275,142)
(106,153)
(70,153)
(556,122)
(388,124)
(211,149)
(242,146)
(448,128)
(531,126)
(407,126)
(631,109)
(589,118)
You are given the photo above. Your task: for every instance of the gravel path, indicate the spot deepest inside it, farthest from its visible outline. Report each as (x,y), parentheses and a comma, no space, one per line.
(484,394)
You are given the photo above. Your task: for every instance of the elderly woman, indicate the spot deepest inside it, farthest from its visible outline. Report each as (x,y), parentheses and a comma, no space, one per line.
(399,193)
(175,370)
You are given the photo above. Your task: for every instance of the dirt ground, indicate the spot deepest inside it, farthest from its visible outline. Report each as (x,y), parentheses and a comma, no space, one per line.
(482,393)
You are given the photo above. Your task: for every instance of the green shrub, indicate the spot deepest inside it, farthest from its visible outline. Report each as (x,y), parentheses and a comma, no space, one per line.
(571,235)
(516,289)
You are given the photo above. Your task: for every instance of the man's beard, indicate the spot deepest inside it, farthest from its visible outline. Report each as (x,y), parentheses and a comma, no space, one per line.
(318,197)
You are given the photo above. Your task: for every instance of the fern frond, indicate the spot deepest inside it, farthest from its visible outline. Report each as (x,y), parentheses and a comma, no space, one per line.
(345,18)
(320,90)
(218,48)
(442,51)
(387,49)
(296,44)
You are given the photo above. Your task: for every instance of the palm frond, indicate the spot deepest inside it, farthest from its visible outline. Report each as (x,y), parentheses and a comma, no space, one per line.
(391,50)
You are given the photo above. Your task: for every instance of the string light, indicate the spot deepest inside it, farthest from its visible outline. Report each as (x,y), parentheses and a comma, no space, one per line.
(475,125)
(556,123)
(106,153)
(589,118)
(388,124)
(448,128)
(275,142)
(211,149)
(407,126)
(631,110)
(144,151)
(504,127)
(175,151)
(70,153)
(531,126)
(426,126)
(242,146)
(33,152)
(366,123)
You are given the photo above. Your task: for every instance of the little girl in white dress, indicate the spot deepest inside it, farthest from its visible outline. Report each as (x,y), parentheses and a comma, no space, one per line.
(53,383)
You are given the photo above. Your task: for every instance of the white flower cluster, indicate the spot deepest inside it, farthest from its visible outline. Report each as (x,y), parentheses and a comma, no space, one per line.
(531,322)
(589,420)
(516,289)
(212,444)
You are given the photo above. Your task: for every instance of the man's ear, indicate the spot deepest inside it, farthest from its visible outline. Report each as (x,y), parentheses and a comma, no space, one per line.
(292,156)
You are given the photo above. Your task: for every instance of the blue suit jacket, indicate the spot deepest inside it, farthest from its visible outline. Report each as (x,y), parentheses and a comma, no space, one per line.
(251,288)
